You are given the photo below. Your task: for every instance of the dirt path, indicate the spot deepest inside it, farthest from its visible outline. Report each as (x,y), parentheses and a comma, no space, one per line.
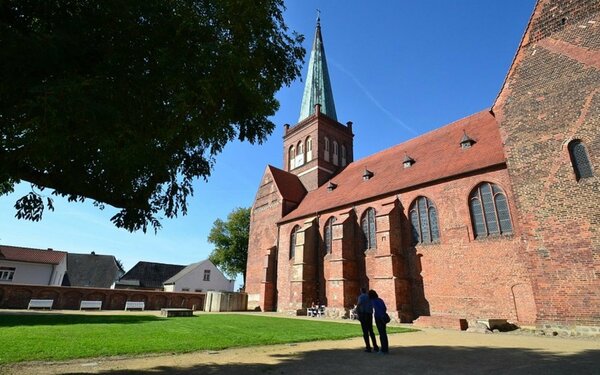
(424,352)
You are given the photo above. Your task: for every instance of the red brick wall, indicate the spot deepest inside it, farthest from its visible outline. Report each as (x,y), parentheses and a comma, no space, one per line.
(460,276)
(69,298)
(551,97)
(315,173)
(261,267)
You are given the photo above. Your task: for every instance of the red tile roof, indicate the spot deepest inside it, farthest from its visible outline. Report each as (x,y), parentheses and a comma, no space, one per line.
(437,155)
(289,185)
(24,254)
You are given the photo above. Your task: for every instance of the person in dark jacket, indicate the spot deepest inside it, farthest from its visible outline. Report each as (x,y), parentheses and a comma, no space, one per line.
(364,309)
(380,321)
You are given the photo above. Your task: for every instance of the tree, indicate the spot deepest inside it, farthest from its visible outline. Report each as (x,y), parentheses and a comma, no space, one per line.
(128,102)
(231,242)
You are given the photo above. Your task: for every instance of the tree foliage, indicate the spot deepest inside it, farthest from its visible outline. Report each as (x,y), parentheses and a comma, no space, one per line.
(231,242)
(127,102)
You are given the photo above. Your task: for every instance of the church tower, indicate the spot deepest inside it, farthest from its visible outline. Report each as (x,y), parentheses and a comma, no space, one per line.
(318,146)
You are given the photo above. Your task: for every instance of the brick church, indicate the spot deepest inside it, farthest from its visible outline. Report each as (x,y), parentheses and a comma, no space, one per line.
(496,215)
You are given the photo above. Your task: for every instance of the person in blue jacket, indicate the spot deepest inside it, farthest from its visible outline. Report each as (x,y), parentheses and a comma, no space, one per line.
(380,319)
(364,308)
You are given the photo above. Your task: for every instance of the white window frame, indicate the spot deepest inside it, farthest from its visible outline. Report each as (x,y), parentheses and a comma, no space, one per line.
(7,273)
(308,149)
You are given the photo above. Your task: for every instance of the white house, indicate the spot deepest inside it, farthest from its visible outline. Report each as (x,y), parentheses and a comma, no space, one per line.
(199,277)
(20,265)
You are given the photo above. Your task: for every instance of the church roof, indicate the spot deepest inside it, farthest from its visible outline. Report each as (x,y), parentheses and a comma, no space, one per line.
(318,85)
(437,155)
(289,185)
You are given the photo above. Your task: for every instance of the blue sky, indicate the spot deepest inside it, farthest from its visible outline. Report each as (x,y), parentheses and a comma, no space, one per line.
(398,69)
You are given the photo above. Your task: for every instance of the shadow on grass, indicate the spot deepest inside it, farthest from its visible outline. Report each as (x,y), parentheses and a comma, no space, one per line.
(408,360)
(66,319)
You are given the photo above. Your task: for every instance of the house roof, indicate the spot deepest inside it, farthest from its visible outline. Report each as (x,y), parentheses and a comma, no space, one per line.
(151,275)
(437,155)
(187,270)
(25,254)
(289,185)
(91,270)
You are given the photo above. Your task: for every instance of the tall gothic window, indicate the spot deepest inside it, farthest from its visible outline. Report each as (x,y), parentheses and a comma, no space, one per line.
(424,221)
(292,158)
(489,211)
(369,229)
(343,155)
(580,160)
(335,153)
(308,149)
(293,241)
(329,234)
(326,149)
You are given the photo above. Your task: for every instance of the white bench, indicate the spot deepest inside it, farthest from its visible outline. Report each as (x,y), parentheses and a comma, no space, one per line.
(134,305)
(90,305)
(40,304)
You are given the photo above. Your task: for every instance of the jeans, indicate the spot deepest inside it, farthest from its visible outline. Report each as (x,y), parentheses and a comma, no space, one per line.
(382,334)
(366,323)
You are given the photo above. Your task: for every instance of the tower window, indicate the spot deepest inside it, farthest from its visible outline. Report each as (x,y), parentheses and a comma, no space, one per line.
(489,211)
(369,229)
(424,221)
(580,160)
(328,237)
(335,153)
(299,154)
(343,155)
(326,149)
(291,158)
(308,149)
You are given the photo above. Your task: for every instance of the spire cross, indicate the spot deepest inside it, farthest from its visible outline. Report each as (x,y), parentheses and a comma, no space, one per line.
(318,16)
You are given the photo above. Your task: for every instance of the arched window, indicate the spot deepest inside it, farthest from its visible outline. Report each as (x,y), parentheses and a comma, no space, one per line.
(343,155)
(368,228)
(335,153)
(328,237)
(292,158)
(489,211)
(308,149)
(300,154)
(580,160)
(326,149)
(293,241)
(424,221)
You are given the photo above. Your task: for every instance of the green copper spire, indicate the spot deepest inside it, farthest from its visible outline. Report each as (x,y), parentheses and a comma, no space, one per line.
(318,86)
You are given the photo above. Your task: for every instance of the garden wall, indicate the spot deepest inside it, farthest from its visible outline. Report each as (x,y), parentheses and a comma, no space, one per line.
(17,296)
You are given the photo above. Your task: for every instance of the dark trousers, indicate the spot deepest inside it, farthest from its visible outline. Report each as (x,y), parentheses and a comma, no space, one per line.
(382,334)
(366,323)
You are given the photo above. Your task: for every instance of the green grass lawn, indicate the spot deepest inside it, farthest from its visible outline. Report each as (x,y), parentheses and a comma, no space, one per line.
(61,337)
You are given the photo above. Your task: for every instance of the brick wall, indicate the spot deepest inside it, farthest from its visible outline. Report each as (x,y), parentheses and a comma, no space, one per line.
(460,276)
(69,298)
(552,96)
(262,247)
